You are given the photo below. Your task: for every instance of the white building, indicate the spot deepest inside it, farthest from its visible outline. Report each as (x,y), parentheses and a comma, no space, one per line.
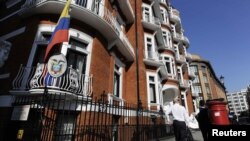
(237,101)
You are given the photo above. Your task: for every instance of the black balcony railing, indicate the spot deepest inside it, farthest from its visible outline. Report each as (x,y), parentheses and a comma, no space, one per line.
(34,79)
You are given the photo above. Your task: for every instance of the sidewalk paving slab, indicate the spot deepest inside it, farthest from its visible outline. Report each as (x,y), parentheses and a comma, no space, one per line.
(196,135)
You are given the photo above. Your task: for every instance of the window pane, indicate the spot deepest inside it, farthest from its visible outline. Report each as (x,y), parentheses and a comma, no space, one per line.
(194,69)
(116,84)
(77,60)
(168,67)
(196,80)
(117,81)
(152,93)
(151,79)
(77,43)
(65,127)
(81,2)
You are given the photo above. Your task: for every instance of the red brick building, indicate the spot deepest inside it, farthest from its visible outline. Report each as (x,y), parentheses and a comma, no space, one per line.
(135,51)
(206,85)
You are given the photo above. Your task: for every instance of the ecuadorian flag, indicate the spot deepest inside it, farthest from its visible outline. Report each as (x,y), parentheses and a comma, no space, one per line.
(61,31)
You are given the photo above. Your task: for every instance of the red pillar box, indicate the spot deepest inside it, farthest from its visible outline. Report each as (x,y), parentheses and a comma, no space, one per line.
(218,113)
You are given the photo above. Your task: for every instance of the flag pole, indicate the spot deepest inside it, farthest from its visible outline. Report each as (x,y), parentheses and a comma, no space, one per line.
(59,35)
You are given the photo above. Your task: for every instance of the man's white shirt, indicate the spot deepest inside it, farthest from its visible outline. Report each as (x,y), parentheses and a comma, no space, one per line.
(178,112)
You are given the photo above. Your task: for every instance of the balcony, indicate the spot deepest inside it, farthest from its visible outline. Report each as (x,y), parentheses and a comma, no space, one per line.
(150,22)
(94,15)
(36,79)
(185,40)
(169,92)
(127,10)
(163,72)
(167,47)
(175,15)
(151,58)
(156,8)
(188,56)
(180,38)
(180,58)
(159,37)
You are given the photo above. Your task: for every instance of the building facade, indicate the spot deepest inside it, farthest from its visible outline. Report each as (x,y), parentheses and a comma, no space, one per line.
(237,102)
(206,85)
(134,51)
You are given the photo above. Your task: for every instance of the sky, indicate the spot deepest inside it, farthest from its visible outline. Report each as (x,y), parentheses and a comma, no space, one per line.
(219,31)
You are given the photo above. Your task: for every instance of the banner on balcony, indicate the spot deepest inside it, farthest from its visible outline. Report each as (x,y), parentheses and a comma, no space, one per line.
(57,65)
(61,30)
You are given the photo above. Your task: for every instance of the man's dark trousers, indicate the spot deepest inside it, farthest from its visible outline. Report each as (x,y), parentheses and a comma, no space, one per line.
(180,130)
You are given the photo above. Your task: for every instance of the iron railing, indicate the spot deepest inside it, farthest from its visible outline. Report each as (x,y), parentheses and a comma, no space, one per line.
(37,79)
(54,117)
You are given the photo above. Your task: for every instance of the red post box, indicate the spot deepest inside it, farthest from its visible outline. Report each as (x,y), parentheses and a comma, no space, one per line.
(218,113)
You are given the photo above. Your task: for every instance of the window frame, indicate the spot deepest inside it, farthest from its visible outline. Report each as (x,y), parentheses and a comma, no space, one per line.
(144,12)
(155,83)
(164,13)
(179,74)
(61,121)
(118,71)
(149,55)
(73,33)
(171,62)
(167,38)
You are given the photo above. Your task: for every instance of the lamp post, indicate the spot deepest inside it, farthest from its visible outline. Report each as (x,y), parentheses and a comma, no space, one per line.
(222,79)
(139,104)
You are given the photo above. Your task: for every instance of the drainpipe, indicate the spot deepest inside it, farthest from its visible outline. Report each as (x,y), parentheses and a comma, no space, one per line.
(137,76)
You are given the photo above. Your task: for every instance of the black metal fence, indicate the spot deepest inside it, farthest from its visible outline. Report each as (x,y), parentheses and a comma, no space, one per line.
(63,117)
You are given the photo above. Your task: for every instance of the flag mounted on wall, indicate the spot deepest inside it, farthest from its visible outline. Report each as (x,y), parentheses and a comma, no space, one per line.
(61,30)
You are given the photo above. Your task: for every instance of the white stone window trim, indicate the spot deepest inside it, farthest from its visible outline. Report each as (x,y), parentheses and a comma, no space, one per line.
(168,39)
(73,33)
(165,15)
(144,5)
(152,74)
(119,64)
(153,43)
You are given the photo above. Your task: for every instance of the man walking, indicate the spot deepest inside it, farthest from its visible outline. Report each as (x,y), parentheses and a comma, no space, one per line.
(180,118)
(203,120)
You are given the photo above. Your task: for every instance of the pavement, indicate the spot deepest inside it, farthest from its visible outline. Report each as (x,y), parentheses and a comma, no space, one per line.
(196,135)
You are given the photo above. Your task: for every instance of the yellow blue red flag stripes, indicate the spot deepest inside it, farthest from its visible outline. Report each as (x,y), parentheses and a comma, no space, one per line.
(61,30)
